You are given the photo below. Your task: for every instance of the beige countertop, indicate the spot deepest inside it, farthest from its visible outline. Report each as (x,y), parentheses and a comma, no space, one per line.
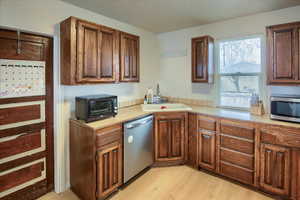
(133,112)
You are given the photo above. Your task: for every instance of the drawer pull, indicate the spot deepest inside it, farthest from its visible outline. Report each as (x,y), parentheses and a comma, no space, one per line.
(206,136)
(207,131)
(15,136)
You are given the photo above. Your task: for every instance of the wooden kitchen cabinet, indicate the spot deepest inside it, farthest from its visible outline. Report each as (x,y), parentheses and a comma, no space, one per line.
(96,52)
(92,53)
(129,54)
(170,138)
(202,59)
(283,54)
(275,169)
(109,169)
(237,151)
(207,142)
(96,160)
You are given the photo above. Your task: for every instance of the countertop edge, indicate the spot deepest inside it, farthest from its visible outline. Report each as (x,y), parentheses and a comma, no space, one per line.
(135,112)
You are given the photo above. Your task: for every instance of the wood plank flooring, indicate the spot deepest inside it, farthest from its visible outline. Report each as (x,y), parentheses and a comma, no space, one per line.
(175,183)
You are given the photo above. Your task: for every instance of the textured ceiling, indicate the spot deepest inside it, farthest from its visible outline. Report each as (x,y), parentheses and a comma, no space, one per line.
(168,15)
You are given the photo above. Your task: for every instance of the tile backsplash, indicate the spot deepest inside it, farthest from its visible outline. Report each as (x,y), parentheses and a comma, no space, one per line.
(196,102)
(132,102)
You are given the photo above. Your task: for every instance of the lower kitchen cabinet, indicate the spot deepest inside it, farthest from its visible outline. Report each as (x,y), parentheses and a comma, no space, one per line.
(275,169)
(96,160)
(170,138)
(109,168)
(262,156)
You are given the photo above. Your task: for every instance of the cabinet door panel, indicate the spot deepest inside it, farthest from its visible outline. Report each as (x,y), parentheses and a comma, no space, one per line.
(162,139)
(207,146)
(176,145)
(109,169)
(200,59)
(87,52)
(129,68)
(133,60)
(107,53)
(127,52)
(275,169)
(283,59)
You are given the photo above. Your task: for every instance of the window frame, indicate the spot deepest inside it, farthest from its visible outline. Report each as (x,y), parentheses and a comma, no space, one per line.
(219,74)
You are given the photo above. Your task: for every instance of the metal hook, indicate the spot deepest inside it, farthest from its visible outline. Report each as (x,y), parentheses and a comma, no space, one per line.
(19,43)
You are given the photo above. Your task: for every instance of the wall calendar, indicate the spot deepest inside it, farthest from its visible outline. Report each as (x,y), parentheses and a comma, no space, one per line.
(21,78)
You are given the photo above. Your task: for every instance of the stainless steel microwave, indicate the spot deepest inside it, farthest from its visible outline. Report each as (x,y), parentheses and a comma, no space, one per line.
(96,107)
(286,108)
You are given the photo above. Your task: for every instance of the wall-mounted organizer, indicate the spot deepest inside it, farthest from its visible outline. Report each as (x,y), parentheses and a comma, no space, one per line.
(21,78)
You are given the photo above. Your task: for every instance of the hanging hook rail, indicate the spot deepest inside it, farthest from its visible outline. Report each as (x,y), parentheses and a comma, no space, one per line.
(19,43)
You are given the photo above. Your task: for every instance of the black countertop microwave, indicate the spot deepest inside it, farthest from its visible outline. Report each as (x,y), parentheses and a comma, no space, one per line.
(95,107)
(285,108)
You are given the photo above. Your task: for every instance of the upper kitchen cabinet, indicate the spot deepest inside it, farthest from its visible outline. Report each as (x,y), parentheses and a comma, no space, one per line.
(283,54)
(89,52)
(202,59)
(92,53)
(129,64)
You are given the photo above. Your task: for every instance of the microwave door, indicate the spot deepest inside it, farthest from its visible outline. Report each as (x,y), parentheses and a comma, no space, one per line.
(285,110)
(100,107)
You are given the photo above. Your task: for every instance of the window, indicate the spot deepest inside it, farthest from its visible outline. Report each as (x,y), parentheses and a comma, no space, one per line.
(239,71)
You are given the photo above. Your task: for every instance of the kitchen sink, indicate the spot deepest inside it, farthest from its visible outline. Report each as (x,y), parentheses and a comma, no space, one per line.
(165,107)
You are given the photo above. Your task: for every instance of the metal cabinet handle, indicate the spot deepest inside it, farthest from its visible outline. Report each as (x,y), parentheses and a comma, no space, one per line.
(206,136)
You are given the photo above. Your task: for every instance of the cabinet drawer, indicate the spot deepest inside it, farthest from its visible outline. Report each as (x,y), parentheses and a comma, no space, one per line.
(207,123)
(281,136)
(237,158)
(244,146)
(21,177)
(238,130)
(20,145)
(237,173)
(31,112)
(108,135)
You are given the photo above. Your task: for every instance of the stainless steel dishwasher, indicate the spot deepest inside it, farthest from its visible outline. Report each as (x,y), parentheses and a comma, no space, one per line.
(138,146)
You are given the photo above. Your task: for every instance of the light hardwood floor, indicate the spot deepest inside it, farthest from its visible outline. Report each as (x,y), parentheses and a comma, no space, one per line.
(176,183)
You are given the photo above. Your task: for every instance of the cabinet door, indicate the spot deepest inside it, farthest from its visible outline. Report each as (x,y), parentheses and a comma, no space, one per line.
(202,59)
(109,169)
(108,58)
(207,146)
(88,52)
(129,68)
(282,57)
(275,169)
(97,53)
(170,137)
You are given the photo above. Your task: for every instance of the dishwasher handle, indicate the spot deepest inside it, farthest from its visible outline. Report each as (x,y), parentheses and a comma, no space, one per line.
(135,125)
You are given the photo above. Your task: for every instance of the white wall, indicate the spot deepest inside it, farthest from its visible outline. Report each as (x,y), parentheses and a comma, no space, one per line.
(176,52)
(44,16)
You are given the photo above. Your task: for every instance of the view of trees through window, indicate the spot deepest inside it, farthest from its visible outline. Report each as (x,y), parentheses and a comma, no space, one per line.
(240,66)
